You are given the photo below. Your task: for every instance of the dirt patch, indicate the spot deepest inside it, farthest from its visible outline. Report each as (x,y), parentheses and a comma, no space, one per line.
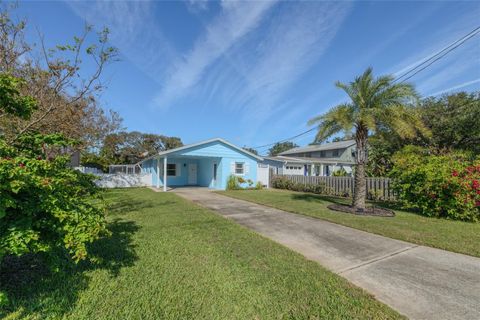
(370,211)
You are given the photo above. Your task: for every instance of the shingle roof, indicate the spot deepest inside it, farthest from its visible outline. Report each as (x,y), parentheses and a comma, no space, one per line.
(320,147)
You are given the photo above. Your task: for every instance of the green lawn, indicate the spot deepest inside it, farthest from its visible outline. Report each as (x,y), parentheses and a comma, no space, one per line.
(170,259)
(462,237)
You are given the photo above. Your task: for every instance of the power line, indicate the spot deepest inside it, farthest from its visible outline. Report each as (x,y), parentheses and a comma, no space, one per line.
(431,60)
(439,55)
(287,139)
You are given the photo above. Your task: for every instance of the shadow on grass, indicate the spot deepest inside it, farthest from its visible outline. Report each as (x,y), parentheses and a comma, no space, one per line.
(33,288)
(312,197)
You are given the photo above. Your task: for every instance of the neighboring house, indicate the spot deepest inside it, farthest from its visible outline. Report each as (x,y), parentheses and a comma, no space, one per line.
(315,160)
(206,164)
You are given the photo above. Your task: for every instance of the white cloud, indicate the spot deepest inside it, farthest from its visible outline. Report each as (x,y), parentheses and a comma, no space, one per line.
(133,30)
(456,87)
(235,21)
(294,42)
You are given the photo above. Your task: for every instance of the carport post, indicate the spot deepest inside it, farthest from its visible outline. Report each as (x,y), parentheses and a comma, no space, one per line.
(158,173)
(165,173)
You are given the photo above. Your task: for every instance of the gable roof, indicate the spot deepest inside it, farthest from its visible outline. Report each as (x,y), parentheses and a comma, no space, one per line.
(197,144)
(321,147)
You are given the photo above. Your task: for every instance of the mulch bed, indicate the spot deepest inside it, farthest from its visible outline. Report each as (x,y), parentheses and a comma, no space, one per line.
(370,211)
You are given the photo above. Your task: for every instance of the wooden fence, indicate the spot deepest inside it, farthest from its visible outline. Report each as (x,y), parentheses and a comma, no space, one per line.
(377,188)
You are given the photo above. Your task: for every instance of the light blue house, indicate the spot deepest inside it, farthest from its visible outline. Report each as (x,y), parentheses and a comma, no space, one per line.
(206,164)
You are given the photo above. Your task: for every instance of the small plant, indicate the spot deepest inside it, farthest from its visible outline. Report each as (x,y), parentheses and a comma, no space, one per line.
(340,173)
(240,180)
(233,182)
(259,186)
(250,183)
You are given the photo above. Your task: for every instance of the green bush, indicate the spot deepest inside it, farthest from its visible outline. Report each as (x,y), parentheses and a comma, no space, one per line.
(259,186)
(280,182)
(445,185)
(233,182)
(44,205)
(340,173)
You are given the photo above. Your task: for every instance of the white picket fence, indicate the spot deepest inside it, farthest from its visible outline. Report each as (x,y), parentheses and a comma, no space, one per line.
(377,188)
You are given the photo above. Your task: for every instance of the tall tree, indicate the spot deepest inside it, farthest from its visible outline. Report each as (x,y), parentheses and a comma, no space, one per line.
(65,81)
(375,104)
(280,147)
(454,121)
(131,147)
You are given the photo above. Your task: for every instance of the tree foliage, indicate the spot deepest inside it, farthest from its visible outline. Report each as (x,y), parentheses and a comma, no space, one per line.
(66,95)
(376,105)
(453,121)
(44,205)
(280,147)
(251,150)
(131,147)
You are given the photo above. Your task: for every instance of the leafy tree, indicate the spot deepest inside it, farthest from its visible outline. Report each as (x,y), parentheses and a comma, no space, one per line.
(131,147)
(377,104)
(454,121)
(251,150)
(280,147)
(44,205)
(64,91)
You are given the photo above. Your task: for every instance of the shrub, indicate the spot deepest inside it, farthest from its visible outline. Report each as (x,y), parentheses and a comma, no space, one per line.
(445,185)
(259,186)
(233,182)
(340,173)
(280,182)
(44,205)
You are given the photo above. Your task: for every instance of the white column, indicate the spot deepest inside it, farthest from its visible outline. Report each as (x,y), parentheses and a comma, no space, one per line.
(165,173)
(313,170)
(158,173)
(321,170)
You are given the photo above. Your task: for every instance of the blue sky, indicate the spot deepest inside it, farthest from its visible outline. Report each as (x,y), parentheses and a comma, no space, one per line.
(255,72)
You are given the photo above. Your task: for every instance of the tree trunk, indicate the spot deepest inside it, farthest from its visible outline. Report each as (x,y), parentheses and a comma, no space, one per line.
(360,193)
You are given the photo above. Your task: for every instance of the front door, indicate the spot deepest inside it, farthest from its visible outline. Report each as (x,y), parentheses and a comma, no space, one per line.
(192,173)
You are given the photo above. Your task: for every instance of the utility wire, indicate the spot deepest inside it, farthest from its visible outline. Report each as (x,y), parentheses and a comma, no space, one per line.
(431,60)
(439,55)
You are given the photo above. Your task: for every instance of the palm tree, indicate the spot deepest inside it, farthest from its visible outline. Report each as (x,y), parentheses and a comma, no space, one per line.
(376,104)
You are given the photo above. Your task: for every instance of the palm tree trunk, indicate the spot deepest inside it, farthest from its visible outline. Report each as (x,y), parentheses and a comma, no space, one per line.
(360,193)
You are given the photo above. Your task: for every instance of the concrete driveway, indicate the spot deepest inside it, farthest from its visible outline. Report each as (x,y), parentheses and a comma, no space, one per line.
(419,282)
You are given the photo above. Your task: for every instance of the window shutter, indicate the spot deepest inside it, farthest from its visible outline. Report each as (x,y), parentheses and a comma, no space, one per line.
(247,168)
(178,169)
(232,167)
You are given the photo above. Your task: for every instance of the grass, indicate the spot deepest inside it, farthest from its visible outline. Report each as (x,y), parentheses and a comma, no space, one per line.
(170,259)
(456,236)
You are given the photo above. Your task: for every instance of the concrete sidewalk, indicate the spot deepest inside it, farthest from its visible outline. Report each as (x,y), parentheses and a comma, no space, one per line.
(419,282)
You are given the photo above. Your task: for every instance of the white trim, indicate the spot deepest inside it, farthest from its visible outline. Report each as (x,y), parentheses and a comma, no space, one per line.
(158,173)
(165,174)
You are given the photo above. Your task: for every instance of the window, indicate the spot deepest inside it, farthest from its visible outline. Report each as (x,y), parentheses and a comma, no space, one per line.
(239,167)
(335,153)
(215,171)
(171,169)
(322,154)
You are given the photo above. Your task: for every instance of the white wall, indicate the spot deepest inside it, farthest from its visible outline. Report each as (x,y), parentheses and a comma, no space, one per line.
(124,180)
